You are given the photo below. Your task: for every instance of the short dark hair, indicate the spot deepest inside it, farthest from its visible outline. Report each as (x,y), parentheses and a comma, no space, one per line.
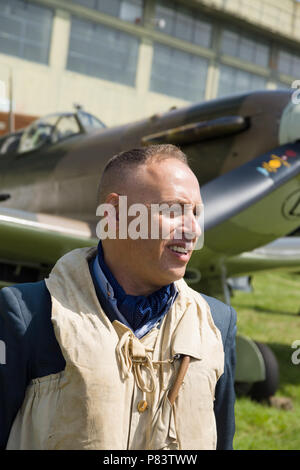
(119,164)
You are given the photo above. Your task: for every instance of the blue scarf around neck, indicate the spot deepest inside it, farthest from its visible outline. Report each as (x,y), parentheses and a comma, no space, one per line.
(140,312)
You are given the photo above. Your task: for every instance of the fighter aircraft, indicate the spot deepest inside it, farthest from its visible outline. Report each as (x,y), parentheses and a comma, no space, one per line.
(244,149)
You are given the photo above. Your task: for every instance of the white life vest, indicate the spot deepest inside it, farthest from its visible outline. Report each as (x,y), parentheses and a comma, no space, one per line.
(98,401)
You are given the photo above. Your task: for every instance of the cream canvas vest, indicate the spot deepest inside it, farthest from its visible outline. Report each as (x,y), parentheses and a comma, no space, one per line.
(95,403)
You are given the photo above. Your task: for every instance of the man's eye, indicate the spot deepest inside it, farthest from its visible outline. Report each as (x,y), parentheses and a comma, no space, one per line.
(169,212)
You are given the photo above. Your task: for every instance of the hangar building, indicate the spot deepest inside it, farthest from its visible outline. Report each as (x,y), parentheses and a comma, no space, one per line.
(123,60)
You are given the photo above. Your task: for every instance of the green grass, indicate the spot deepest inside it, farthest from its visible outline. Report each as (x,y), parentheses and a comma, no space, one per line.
(270,315)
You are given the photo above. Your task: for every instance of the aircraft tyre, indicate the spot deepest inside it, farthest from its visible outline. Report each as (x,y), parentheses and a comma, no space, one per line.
(265,389)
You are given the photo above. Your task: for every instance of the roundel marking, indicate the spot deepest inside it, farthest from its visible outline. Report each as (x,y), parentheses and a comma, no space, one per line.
(291,206)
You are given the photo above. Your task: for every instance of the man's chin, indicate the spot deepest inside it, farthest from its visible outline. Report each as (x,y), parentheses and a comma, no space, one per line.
(176,274)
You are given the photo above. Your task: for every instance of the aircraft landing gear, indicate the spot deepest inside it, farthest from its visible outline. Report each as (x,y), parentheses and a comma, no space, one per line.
(257,373)
(266,388)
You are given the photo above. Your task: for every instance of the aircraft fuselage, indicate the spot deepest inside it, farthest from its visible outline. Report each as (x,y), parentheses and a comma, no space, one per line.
(63,178)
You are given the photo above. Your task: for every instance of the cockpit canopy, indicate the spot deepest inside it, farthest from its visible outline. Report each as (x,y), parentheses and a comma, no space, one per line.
(50,130)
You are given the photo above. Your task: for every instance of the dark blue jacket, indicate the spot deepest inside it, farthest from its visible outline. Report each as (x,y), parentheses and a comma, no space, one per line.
(32,351)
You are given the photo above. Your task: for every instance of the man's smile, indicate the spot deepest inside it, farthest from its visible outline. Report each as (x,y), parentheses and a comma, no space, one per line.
(181,250)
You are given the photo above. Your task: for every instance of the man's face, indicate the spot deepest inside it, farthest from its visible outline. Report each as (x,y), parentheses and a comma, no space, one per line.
(157,261)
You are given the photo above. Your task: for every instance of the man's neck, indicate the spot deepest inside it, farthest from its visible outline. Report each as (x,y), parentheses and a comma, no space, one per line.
(131,283)
(128,283)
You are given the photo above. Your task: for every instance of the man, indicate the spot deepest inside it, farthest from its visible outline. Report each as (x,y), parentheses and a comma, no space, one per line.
(114,350)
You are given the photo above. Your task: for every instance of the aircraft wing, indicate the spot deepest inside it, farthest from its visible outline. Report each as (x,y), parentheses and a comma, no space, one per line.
(36,241)
(283,253)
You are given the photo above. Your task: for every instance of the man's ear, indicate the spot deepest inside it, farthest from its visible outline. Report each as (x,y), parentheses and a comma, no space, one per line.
(113,199)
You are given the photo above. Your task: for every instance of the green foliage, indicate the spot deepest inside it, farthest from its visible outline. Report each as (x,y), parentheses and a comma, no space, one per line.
(270,315)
